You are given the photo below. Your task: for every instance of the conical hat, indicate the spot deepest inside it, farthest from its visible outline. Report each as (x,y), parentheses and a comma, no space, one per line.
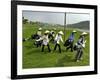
(74,31)
(60,32)
(40,29)
(84,33)
(46,31)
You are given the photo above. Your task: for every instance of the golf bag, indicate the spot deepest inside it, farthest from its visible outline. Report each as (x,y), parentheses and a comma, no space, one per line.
(68,42)
(38,43)
(33,36)
(36,37)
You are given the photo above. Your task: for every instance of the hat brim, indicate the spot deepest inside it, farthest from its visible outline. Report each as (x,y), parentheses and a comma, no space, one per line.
(61,33)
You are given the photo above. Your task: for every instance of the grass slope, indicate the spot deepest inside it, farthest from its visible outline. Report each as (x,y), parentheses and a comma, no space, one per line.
(34,58)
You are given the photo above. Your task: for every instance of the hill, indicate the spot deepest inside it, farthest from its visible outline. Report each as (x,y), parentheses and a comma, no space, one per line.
(81,25)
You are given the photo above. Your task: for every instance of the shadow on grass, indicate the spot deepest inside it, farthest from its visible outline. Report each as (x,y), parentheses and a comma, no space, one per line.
(66,58)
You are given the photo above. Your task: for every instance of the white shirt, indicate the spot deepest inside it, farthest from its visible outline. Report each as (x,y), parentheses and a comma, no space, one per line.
(45,39)
(58,38)
(81,44)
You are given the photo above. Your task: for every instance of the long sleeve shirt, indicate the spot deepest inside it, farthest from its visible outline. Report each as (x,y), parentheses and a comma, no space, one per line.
(81,42)
(58,38)
(71,38)
(45,39)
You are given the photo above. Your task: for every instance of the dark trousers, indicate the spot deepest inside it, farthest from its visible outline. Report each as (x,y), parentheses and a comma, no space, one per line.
(70,46)
(47,46)
(58,47)
(79,54)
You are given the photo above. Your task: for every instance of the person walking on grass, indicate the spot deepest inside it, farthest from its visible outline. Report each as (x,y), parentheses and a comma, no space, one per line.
(36,36)
(69,42)
(45,40)
(79,46)
(58,38)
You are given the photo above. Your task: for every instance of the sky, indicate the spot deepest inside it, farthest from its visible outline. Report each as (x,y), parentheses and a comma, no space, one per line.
(55,17)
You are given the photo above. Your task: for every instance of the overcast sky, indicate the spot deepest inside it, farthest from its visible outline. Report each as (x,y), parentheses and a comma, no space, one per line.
(55,18)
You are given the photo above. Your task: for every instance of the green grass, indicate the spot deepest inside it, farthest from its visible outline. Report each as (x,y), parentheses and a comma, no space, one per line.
(34,58)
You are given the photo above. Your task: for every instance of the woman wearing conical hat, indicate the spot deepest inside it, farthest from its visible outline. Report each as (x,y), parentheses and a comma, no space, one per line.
(45,41)
(69,42)
(39,32)
(58,38)
(80,46)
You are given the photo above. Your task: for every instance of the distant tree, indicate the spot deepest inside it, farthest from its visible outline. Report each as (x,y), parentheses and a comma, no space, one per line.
(25,20)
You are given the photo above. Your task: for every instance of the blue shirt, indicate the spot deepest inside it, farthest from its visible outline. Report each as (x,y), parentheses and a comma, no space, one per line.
(71,37)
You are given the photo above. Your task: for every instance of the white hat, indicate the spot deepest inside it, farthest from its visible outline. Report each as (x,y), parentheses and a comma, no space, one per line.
(74,31)
(60,32)
(46,31)
(84,33)
(40,29)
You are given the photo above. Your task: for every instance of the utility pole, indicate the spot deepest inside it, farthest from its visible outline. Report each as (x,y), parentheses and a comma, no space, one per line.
(64,25)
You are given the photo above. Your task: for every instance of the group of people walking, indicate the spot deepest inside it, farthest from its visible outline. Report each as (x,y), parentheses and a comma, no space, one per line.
(56,39)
